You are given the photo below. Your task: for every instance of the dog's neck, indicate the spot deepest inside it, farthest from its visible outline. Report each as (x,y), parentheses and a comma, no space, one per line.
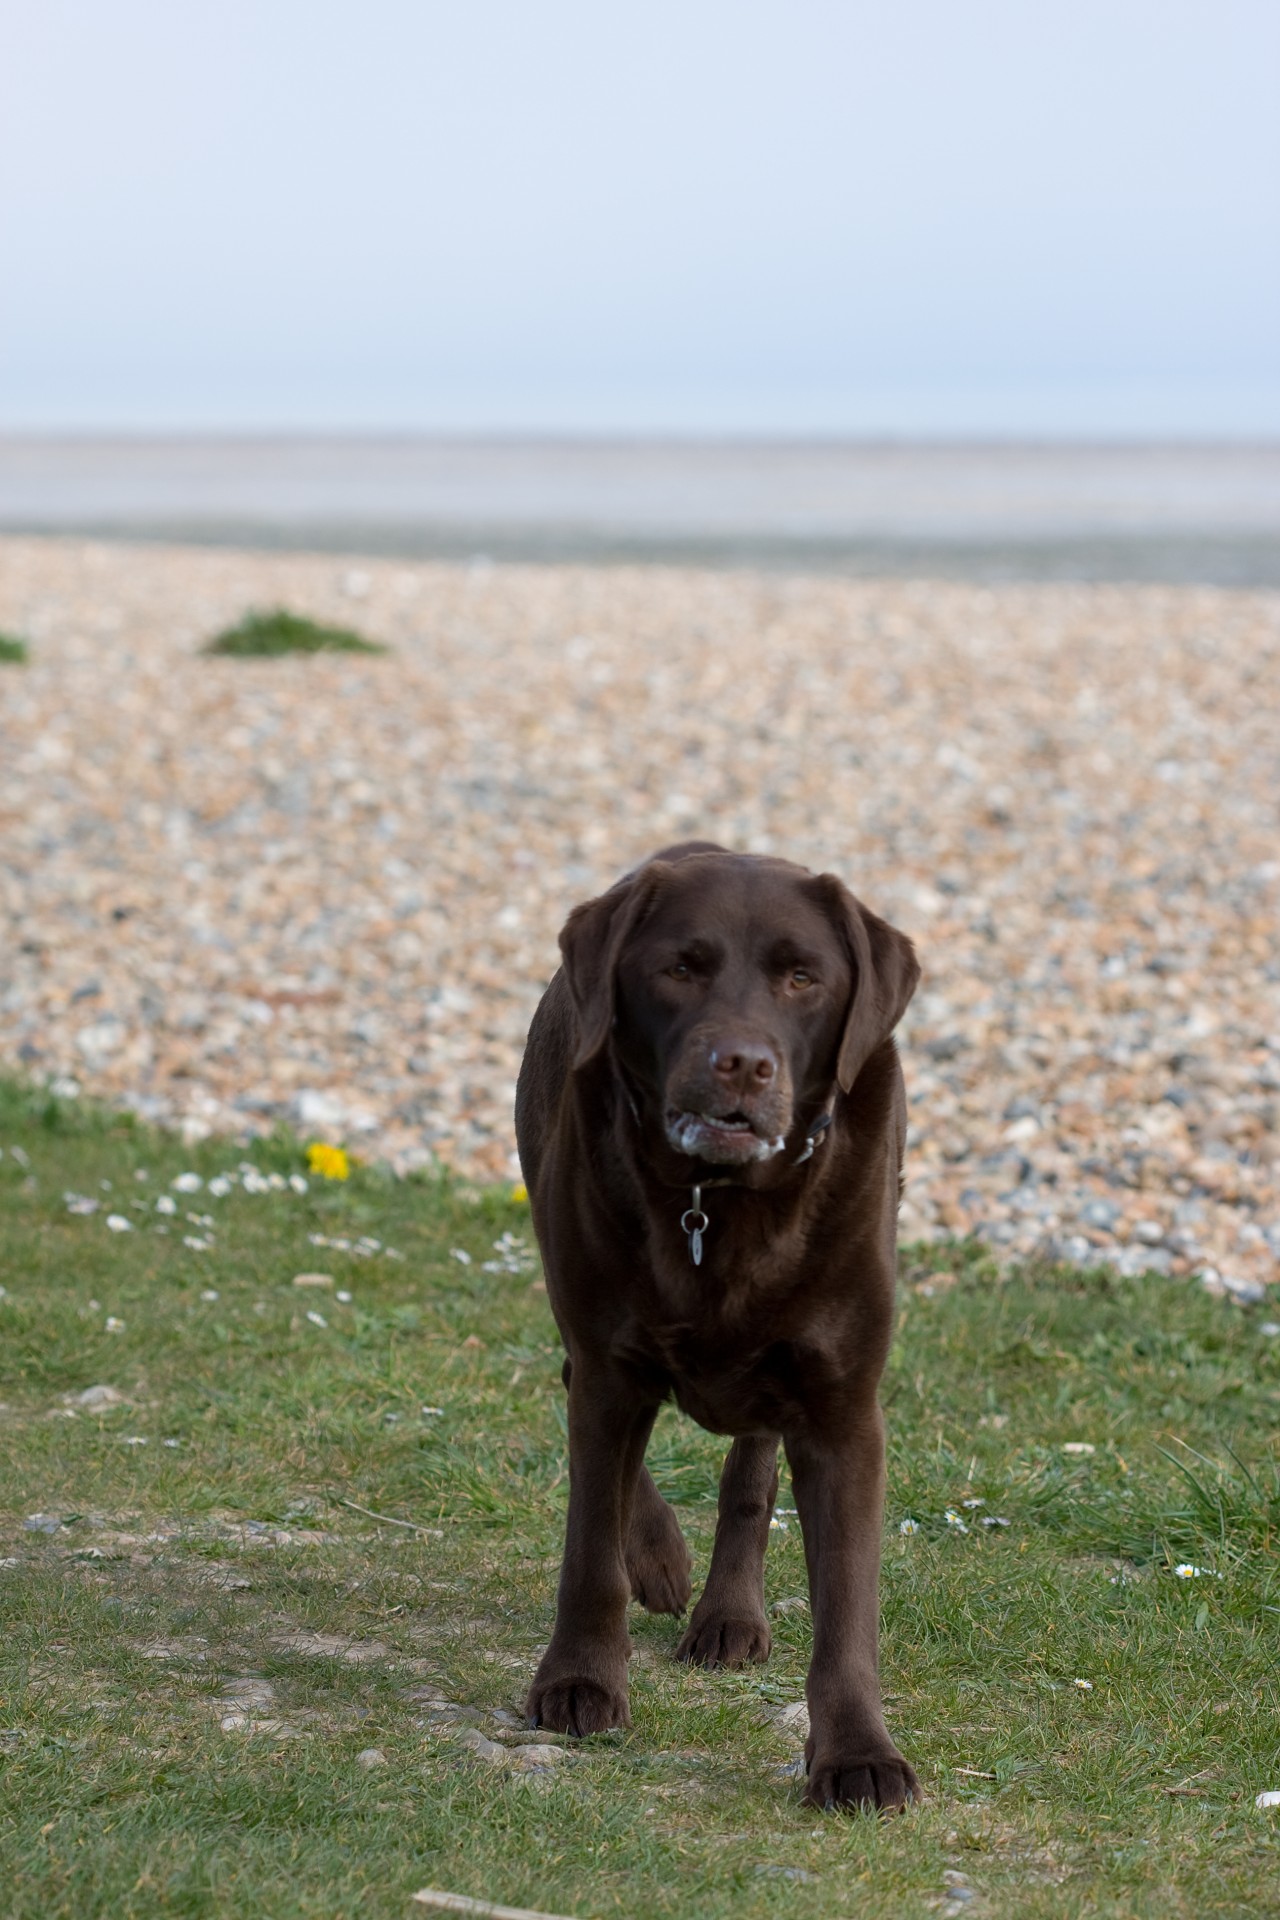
(694,1221)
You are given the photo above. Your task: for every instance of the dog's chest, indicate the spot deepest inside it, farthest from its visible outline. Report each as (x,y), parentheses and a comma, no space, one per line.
(733,1382)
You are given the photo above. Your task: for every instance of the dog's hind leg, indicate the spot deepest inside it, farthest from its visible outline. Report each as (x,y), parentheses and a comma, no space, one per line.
(728,1627)
(656,1554)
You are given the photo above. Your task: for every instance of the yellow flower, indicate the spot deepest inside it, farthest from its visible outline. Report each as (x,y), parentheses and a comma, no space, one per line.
(519,1192)
(331,1163)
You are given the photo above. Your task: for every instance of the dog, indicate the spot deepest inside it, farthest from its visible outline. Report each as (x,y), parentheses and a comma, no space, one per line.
(711,1119)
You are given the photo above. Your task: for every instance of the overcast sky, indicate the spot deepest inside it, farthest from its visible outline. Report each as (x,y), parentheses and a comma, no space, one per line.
(1007,217)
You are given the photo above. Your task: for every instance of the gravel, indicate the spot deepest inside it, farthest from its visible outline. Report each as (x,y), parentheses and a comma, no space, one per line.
(327,889)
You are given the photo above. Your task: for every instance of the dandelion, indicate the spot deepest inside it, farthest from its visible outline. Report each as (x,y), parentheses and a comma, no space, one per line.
(118,1223)
(908,1525)
(317,1319)
(520,1193)
(331,1163)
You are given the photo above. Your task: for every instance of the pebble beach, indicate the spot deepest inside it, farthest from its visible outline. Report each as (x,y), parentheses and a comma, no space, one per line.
(326,890)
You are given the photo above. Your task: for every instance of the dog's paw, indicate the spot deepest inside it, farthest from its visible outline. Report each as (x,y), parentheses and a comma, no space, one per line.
(876,1783)
(576,1706)
(717,1642)
(658,1565)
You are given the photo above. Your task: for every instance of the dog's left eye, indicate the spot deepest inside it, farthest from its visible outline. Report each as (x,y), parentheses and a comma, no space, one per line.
(680,971)
(801,977)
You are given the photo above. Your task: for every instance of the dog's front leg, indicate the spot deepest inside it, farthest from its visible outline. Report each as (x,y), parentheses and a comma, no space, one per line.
(581,1683)
(839,1489)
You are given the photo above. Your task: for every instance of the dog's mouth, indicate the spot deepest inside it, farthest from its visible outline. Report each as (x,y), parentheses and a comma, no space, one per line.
(727,1139)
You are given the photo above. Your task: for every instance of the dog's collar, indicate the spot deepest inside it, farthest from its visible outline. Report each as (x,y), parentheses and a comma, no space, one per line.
(693,1220)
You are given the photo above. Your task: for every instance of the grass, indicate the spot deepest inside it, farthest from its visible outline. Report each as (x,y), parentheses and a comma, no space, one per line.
(266,635)
(12,650)
(161,1580)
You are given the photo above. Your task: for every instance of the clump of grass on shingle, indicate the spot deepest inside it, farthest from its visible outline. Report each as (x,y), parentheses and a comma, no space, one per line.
(12,649)
(266,635)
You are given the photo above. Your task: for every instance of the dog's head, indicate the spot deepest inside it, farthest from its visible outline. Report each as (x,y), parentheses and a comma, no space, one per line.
(734,991)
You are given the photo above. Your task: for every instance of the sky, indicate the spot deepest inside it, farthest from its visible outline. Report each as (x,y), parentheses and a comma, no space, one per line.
(1012,218)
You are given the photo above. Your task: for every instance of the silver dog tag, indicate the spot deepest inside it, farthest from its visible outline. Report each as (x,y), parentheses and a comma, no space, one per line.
(695,1223)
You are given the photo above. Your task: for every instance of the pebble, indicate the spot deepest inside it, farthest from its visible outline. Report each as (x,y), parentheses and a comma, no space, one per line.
(794,1719)
(96,1398)
(528,1758)
(370,1757)
(327,891)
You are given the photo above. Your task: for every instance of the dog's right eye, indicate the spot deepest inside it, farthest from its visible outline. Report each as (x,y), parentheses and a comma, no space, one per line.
(680,971)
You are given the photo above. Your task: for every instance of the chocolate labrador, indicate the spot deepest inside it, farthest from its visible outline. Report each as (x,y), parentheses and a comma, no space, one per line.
(711,1120)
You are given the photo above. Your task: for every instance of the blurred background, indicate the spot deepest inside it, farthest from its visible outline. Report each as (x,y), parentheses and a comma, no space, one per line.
(992,291)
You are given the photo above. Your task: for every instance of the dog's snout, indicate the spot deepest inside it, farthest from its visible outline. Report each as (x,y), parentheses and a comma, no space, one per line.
(745,1068)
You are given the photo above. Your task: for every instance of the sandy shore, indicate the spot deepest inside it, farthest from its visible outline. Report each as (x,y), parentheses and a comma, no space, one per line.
(328,890)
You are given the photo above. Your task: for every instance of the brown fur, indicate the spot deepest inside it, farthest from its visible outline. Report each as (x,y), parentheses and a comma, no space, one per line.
(737,998)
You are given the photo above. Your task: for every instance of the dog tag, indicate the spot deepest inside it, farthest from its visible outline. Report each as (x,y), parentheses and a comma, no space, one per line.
(695,1223)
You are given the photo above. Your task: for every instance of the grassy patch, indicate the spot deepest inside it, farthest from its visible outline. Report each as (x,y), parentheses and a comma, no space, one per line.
(266,635)
(202,1632)
(12,650)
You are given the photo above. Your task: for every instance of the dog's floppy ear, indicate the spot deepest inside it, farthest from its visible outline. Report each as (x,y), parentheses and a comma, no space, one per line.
(885,975)
(591,943)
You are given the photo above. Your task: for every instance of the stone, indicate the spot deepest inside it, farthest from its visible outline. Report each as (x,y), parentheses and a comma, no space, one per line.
(793,1719)
(97,1399)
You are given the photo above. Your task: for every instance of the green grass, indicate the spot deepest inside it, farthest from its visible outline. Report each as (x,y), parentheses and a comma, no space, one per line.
(12,650)
(169,1573)
(268,634)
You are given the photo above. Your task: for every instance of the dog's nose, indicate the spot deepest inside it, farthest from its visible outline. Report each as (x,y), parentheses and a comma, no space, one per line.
(744,1067)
